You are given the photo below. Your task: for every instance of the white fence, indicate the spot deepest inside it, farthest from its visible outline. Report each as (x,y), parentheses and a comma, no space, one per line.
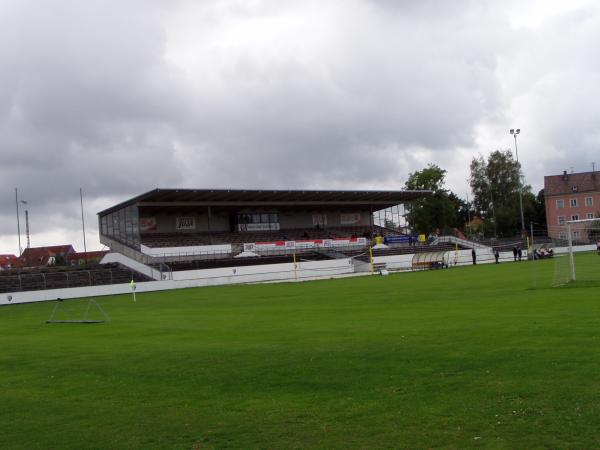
(252,274)
(195,278)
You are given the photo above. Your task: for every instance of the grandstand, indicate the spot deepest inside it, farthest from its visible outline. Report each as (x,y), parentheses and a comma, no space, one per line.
(180,226)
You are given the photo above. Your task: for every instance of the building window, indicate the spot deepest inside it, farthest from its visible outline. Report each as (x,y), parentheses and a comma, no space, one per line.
(573,202)
(589,201)
(560,204)
(576,234)
(561,220)
(562,235)
(590,215)
(575,217)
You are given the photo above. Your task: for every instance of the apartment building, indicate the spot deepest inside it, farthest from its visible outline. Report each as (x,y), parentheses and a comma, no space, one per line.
(571,196)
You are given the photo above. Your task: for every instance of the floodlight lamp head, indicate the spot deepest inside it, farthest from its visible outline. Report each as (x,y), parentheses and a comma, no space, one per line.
(517,131)
(512,131)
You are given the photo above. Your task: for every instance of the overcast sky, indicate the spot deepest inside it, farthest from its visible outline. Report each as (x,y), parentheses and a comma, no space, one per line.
(120,97)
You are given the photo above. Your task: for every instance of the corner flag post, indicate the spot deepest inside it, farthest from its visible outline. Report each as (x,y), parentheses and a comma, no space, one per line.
(295,267)
(132,284)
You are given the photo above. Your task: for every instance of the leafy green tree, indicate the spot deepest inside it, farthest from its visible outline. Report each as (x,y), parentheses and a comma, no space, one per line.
(540,209)
(495,183)
(388,223)
(437,211)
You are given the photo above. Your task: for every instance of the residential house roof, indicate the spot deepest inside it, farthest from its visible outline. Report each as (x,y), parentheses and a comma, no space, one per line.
(571,183)
(39,256)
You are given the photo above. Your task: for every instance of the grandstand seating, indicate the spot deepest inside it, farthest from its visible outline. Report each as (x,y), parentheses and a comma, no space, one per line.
(229,237)
(66,277)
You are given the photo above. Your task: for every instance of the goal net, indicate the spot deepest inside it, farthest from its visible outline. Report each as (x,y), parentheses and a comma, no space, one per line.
(77,311)
(575,252)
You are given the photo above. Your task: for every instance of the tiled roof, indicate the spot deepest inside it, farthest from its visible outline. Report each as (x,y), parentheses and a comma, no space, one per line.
(571,183)
(38,256)
(6,260)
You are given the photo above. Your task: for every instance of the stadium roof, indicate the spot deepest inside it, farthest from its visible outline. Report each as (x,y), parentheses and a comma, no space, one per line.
(248,197)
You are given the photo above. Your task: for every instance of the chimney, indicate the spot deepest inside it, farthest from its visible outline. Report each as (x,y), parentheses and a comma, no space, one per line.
(565,176)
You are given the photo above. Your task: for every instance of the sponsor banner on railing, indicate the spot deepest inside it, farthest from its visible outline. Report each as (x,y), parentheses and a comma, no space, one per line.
(304,244)
(399,239)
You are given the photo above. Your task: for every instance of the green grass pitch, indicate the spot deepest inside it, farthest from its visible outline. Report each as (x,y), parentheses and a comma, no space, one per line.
(468,357)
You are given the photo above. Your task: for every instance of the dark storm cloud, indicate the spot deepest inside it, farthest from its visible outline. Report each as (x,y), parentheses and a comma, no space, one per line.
(121,97)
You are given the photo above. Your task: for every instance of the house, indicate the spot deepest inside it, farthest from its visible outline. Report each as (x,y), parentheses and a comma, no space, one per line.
(571,196)
(9,262)
(46,256)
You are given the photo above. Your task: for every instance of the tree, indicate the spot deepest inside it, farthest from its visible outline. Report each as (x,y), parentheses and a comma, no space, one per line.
(389,223)
(540,209)
(495,184)
(438,211)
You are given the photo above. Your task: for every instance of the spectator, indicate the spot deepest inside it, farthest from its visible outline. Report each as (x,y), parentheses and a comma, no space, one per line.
(515,253)
(598,247)
(519,253)
(474,256)
(497,256)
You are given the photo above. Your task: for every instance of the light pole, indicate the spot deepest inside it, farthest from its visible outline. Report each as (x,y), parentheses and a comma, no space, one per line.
(514,132)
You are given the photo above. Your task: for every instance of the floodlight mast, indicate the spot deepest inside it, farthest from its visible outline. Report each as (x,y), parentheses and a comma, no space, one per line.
(514,132)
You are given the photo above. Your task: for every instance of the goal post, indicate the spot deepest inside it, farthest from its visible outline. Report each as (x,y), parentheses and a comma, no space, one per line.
(574,237)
